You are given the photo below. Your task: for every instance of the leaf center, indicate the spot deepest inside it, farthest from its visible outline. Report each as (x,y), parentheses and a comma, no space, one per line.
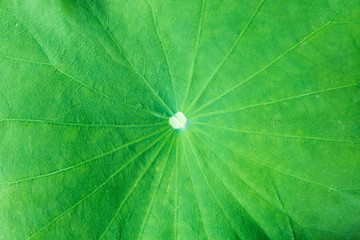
(178,121)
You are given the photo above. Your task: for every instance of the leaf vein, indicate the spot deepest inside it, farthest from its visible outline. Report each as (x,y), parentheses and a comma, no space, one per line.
(267,66)
(86,161)
(197,44)
(97,188)
(279,135)
(227,56)
(276,101)
(134,187)
(78,124)
(156,190)
(147,83)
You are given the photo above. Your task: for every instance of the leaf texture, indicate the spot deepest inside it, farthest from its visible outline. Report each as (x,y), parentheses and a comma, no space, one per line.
(270,90)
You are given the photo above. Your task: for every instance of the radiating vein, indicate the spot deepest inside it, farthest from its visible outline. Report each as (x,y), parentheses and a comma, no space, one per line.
(280,171)
(289,218)
(163,49)
(346,235)
(267,66)
(193,186)
(274,102)
(345,22)
(99,186)
(209,187)
(337,190)
(226,57)
(176,208)
(24,60)
(197,43)
(122,203)
(106,51)
(156,189)
(338,10)
(147,83)
(78,124)
(277,134)
(261,195)
(349,189)
(83,83)
(156,114)
(88,160)
(274,60)
(4,189)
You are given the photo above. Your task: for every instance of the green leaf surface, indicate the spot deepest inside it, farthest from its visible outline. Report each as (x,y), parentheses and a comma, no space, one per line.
(270,90)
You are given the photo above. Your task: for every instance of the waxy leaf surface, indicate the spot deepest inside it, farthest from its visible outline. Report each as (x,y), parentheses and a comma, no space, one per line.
(270,90)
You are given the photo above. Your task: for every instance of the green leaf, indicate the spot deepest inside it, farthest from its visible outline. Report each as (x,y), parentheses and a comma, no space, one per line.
(270,91)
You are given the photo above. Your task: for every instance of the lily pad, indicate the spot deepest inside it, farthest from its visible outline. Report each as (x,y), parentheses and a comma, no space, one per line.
(268,146)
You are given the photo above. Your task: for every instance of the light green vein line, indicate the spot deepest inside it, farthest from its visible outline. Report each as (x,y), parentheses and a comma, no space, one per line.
(288,217)
(337,190)
(163,49)
(147,83)
(348,22)
(193,186)
(197,43)
(156,189)
(105,95)
(98,187)
(330,231)
(208,184)
(176,209)
(134,186)
(349,189)
(4,189)
(277,170)
(274,102)
(277,134)
(226,57)
(338,10)
(275,60)
(76,124)
(106,51)
(24,60)
(88,160)
(261,195)
(83,83)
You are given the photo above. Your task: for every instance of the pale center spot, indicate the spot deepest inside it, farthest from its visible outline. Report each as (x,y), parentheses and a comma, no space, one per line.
(178,121)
